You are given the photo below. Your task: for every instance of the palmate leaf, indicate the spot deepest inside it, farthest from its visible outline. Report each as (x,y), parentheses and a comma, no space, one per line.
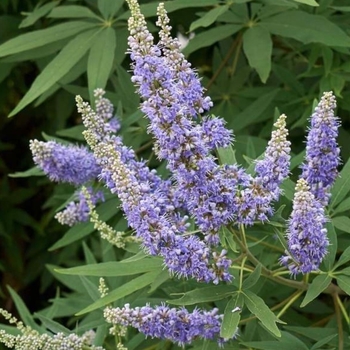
(306,28)
(100,59)
(42,37)
(58,67)
(257,46)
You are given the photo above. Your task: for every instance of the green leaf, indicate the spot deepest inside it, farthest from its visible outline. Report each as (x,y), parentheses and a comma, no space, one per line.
(343,282)
(209,17)
(324,341)
(307,28)
(286,342)
(343,206)
(341,186)
(126,289)
(24,313)
(37,14)
(333,246)
(75,132)
(308,2)
(342,223)
(58,67)
(100,61)
(73,11)
(232,315)
(35,171)
(51,325)
(42,37)
(226,155)
(288,187)
(109,8)
(150,9)
(253,278)
(318,285)
(210,37)
(257,46)
(106,210)
(257,307)
(344,258)
(114,268)
(253,111)
(202,295)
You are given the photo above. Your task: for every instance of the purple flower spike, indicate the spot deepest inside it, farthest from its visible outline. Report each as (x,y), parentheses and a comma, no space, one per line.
(72,164)
(307,237)
(177,325)
(255,200)
(322,151)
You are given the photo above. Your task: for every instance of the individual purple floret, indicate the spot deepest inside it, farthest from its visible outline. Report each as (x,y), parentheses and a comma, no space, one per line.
(177,325)
(307,237)
(78,211)
(255,201)
(322,151)
(72,164)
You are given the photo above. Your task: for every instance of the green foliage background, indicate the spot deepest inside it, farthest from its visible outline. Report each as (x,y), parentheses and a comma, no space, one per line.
(258,58)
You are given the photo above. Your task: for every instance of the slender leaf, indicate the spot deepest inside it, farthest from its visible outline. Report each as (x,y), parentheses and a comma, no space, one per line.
(22,309)
(307,28)
(73,11)
(114,268)
(341,186)
(344,258)
(232,315)
(253,111)
(100,61)
(227,155)
(202,295)
(253,278)
(344,283)
(37,14)
(210,37)
(109,8)
(52,325)
(318,285)
(257,46)
(126,289)
(209,17)
(333,246)
(35,171)
(342,223)
(42,37)
(308,2)
(58,67)
(257,307)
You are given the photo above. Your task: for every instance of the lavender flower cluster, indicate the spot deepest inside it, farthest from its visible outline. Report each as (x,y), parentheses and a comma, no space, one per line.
(178,325)
(213,195)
